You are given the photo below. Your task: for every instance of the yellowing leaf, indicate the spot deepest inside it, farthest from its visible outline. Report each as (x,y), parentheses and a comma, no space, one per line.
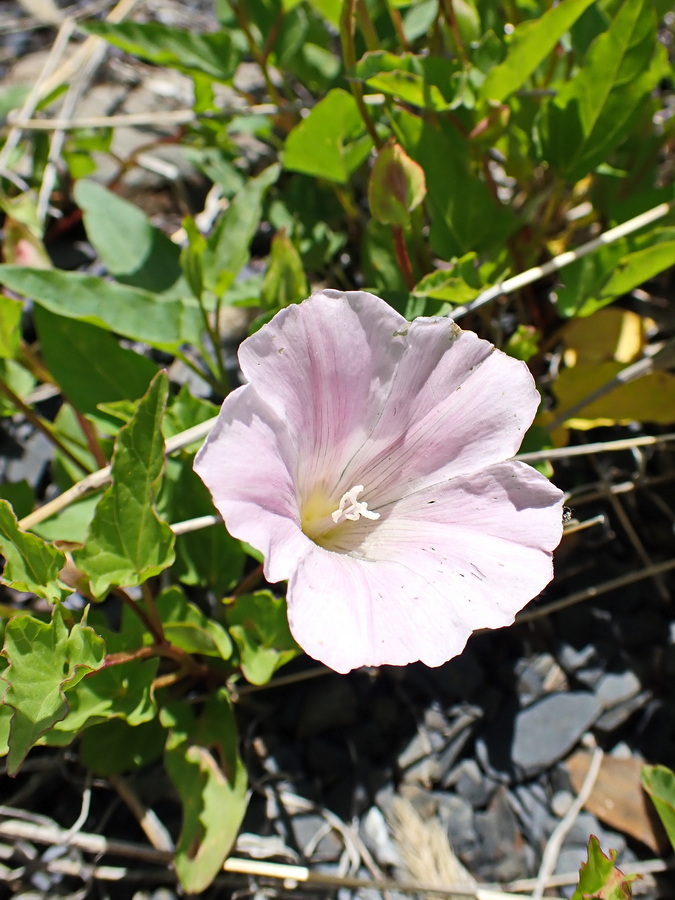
(647,399)
(610,334)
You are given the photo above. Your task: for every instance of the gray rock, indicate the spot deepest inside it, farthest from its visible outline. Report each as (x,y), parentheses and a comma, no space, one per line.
(502,854)
(470,783)
(457,815)
(530,803)
(314,838)
(377,838)
(617,687)
(617,715)
(37,452)
(520,743)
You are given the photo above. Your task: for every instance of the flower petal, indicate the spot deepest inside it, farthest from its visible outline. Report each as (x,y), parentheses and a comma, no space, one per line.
(456,406)
(325,367)
(438,565)
(245,464)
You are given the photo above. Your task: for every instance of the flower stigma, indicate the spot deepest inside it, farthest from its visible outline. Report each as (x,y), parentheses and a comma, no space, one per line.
(351,508)
(321,521)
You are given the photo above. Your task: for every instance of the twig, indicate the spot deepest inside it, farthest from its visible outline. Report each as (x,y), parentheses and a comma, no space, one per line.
(36,94)
(598,447)
(195,524)
(97,844)
(102,476)
(153,829)
(58,139)
(630,530)
(78,824)
(573,527)
(142,120)
(555,842)
(564,259)
(596,591)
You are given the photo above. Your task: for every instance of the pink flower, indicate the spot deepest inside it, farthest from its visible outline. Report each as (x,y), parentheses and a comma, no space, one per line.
(367,458)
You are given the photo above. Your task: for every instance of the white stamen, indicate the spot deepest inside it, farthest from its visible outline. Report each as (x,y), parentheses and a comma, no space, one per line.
(351,508)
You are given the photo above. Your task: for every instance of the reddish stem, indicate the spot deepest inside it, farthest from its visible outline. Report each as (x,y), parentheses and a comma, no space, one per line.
(402,257)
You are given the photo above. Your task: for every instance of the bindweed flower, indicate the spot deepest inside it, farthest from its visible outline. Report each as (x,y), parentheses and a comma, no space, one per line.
(367,458)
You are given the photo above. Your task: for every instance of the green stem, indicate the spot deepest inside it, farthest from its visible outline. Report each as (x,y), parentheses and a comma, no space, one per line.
(256,54)
(219,371)
(210,377)
(347,26)
(451,19)
(366,26)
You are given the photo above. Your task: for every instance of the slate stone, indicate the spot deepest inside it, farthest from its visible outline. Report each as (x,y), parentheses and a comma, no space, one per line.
(530,803)
(616,716)
(37,452)
(314,839)
(532,674)
(502,854)
(470,783)
(520,743)
(377,838)
(616,687)
(457,815)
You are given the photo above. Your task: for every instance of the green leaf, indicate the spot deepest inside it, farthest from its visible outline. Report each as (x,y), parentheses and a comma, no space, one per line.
(202,761)
(409,88)
(45,660)
(523,343)
(166,323)
(12,97)
(259,625)
(459,283)
(659,782)
(592,113)
(191,257)
(285,281)
(31,564)
(19,380)
(186,626)
(131,248)
(68,429)
(600,878)
(597,279)
(210,53)
(396,185)
(5,723)
(530,44)
(210,557)
(89,364)
(121,691)
(127,543)
(71,524)
(228,246)
(10,326)
(464,215)
(428,82)
(20,495)
(320,144)
(115,746)
(185,412)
